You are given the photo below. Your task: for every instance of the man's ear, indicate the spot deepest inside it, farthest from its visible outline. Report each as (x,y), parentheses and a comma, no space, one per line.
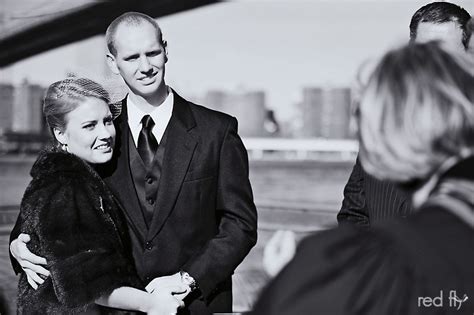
(60,136)
(165,46)
(112,63)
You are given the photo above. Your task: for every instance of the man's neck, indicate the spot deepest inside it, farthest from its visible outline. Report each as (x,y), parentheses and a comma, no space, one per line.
(149,103)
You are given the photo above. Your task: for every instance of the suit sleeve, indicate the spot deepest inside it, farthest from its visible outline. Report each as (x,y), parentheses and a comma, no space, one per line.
(237,230)
(13,236)
(354,206)
(84,257)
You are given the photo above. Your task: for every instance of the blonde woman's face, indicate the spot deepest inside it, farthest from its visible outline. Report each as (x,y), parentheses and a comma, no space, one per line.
(89,132)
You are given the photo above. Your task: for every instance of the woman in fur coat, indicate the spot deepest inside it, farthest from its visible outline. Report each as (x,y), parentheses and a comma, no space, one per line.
(73,219)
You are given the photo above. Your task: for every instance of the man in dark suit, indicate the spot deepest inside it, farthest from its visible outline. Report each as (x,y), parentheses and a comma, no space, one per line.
(367,200)
(180,171)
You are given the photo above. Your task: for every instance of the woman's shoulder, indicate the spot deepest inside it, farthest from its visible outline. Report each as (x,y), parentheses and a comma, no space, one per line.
(58,178)
(53,162)
(349,270)
(354,252)
(338,271)
(358,252)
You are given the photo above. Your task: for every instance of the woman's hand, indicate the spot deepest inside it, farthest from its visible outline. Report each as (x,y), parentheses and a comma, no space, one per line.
(163,302)
(165,282)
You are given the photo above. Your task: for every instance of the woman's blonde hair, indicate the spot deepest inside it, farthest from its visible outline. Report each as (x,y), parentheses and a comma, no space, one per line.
(416,111)
(62,97)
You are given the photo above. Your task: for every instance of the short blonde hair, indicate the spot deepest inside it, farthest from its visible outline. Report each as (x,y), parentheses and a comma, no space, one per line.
(130,19)
(416,111)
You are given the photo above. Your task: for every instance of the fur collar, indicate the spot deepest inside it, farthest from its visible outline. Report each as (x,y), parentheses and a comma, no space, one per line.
(52,161)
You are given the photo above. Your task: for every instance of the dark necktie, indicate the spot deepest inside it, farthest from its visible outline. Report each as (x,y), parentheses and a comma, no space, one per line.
(147,143)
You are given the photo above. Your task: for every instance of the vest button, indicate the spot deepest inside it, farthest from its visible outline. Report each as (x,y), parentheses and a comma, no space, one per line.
(148,245)
(151,201)
(149,180)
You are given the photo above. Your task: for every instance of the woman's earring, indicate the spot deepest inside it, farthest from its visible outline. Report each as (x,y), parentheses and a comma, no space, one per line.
(64,147)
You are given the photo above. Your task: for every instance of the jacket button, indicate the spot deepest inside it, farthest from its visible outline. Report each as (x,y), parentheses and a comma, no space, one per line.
(151,201)
(148,245)
(149,180)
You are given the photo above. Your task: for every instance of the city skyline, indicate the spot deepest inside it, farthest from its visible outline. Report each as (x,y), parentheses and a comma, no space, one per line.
(322,112)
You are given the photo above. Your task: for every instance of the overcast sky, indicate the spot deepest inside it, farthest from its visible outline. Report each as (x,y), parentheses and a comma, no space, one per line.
(276,46)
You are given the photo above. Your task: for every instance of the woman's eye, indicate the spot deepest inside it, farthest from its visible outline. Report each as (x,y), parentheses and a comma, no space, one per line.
(108,121)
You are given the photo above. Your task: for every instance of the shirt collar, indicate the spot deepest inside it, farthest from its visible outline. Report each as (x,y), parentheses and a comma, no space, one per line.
(135,114)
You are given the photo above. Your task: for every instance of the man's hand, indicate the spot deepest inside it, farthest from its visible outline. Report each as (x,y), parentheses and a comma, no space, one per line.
(29,262)
(165,282)
(279,251)
(164,303)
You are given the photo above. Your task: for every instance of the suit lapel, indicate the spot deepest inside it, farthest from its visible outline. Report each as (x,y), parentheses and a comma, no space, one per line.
(178,153)
(121,181)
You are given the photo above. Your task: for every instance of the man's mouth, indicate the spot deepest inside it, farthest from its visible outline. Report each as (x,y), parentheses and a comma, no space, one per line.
(148,79)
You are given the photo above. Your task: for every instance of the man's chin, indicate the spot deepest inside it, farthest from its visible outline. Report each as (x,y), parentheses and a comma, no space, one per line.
(147,90)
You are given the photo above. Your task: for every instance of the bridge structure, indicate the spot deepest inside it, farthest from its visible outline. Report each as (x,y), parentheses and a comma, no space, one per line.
(30,27)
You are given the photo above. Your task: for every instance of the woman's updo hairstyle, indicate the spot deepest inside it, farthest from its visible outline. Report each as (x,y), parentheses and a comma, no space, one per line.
(62,97)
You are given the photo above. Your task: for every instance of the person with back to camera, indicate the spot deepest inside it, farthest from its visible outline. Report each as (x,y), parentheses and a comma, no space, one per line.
(416,128)
(74,221)
(369,201)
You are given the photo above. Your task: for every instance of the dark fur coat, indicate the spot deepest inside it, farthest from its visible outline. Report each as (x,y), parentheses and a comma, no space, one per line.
(75,223)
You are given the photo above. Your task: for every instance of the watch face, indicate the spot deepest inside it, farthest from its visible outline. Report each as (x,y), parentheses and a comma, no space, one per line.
(188,280)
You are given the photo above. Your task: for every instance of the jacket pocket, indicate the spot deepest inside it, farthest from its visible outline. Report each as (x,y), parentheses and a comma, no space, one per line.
(198,174)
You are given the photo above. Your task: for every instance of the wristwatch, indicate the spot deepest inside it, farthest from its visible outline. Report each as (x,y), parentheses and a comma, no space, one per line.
(188,280)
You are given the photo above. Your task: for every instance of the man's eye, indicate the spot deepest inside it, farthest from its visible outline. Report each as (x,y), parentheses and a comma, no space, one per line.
(154,53)
(131,58)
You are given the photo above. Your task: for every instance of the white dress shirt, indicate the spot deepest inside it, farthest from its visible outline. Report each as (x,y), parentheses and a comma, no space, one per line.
(161,115)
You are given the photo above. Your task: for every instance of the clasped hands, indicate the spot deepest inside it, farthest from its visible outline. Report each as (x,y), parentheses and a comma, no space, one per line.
(169,291)
(172,284)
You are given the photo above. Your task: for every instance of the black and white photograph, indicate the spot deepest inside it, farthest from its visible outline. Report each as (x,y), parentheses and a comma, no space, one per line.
(246,157)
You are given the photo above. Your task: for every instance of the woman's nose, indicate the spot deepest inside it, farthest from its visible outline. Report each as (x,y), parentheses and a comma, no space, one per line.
(105,132)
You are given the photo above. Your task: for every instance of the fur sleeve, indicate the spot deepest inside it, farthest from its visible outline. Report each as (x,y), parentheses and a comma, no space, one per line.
(81,247)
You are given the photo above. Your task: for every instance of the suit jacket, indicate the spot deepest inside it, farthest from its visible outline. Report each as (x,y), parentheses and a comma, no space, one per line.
(205,220)
(369,201)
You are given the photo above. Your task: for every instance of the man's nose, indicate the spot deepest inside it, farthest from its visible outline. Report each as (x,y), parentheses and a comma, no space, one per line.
(145,65)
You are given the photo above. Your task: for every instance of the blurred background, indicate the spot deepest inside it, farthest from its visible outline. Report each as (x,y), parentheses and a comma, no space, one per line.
(283,68)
